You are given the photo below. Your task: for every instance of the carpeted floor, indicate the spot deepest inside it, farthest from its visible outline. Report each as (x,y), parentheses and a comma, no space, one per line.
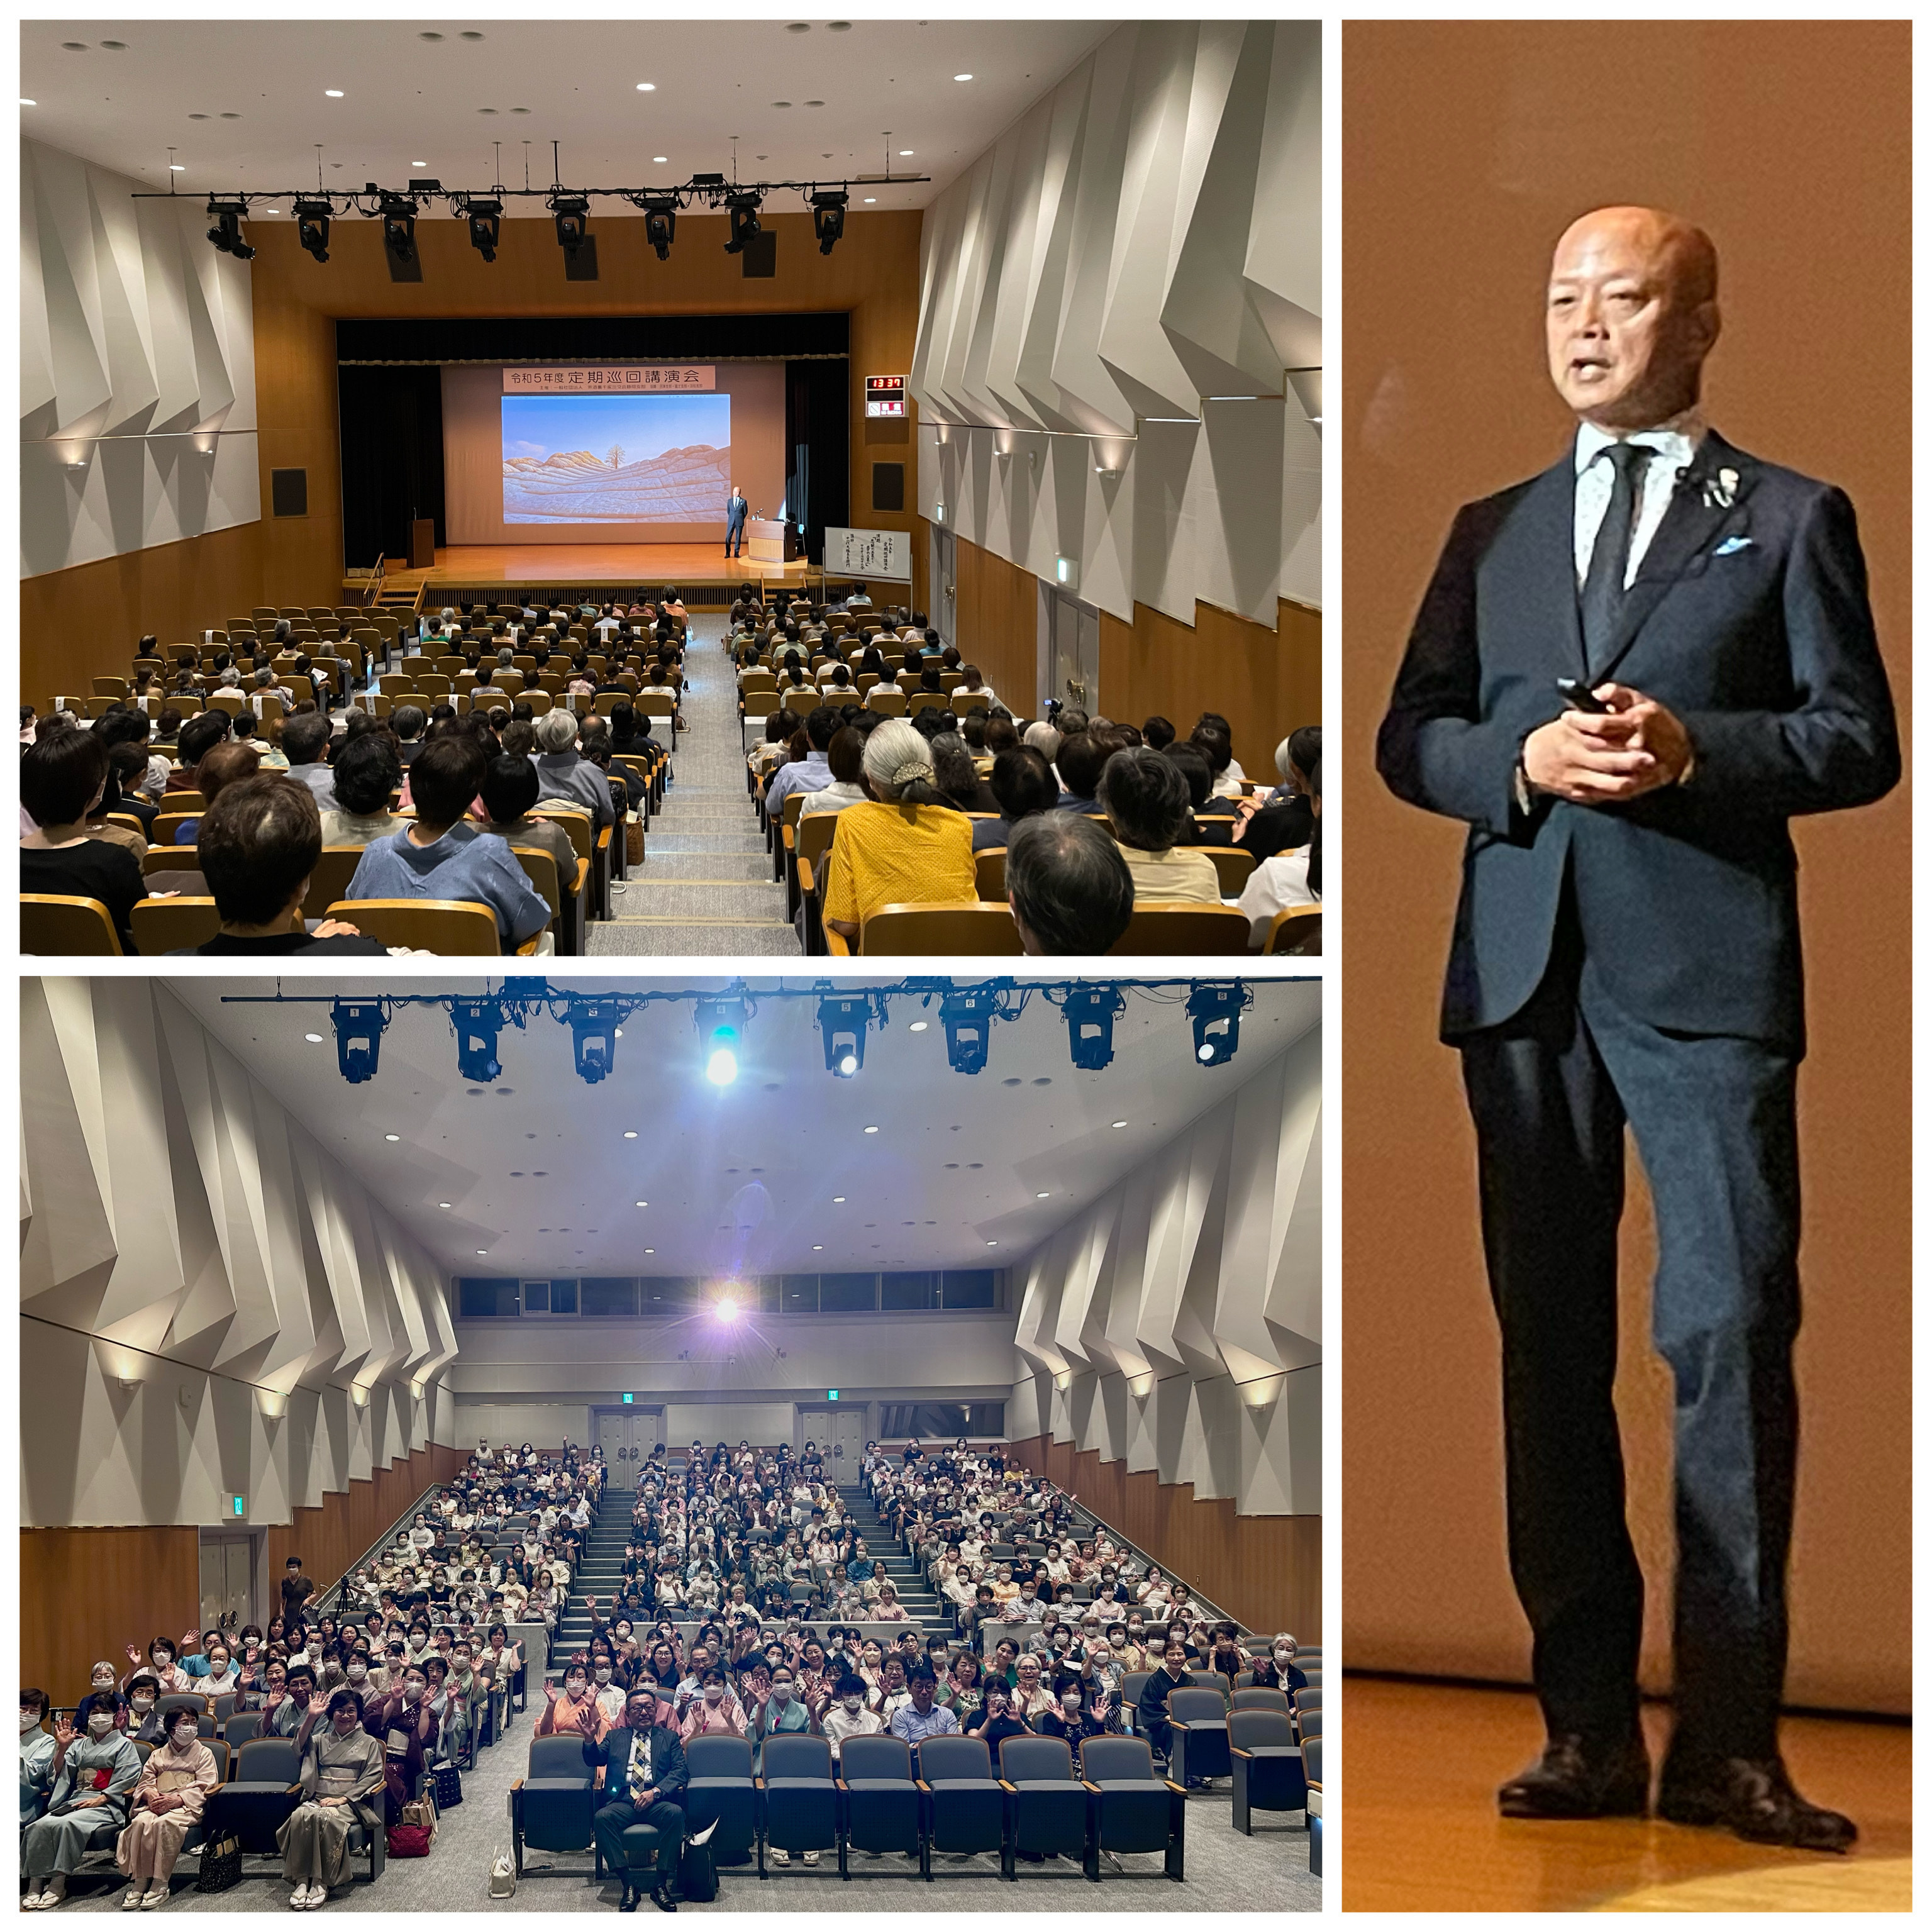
(1225,1872)
(705,886)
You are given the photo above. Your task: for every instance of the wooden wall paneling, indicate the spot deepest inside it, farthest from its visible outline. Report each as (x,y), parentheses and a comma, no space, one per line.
(87,1593)
(996,610)
(1265,1570)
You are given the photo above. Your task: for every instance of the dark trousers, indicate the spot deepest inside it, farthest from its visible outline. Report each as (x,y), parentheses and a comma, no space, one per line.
(734,537)
(610,1824)
(1714,1122)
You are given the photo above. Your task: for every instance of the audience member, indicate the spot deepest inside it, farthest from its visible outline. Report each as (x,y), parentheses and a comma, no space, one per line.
(63,776)
(1071,891)
(1146,802)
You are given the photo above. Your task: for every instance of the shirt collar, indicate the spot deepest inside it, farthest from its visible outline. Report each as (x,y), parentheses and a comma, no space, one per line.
(1676,441)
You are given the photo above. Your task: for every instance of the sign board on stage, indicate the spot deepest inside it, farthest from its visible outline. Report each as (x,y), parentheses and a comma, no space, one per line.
(885,395)
(868,553)
(644,379)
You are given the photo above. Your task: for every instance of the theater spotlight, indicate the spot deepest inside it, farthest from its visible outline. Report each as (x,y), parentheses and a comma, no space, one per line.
(227,232)
(573,221)
(744,212)
(661,226)
(358,1037)
(477,1022)
(1215,1012)
(726,1307)
(720,1026)
(1090,1012)
(967,1017)
(312,226)
(486,227)
(828,218)
(399,226)
(593,1033)
(843,1021)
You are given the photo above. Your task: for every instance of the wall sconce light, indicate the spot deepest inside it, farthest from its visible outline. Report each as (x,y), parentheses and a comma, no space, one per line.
(1262,1393)
(1064,1380)
(416,1391)
(1306,385)
(275,1404)
(358,1395)
(1142,1386)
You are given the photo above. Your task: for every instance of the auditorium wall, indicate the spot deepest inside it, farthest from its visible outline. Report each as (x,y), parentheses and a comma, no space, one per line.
(210,1304)
(79,622)
(1112,299)
(1174,1330)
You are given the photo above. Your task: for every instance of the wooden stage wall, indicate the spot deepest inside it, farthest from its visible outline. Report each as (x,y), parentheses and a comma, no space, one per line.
(79,622)
(88,1593)
(1266,1570)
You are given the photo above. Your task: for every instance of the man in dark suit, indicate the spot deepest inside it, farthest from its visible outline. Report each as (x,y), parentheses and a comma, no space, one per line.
(736,509)
(1626,952)
(644,1779)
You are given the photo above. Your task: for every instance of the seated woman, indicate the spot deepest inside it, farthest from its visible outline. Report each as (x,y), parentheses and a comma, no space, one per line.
(1023,786)
(973,690)
(95,1772)
(1146,802)
(906,845)
(63,778)
(366,771)
(175,1784)
(959,776)
(342,1771)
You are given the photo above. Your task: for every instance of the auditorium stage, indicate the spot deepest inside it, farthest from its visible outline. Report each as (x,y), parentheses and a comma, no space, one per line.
(1418,1829)
(702,574)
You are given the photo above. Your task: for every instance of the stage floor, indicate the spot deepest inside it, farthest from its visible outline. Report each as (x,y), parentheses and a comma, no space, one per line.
(1418,1829)
(479,565)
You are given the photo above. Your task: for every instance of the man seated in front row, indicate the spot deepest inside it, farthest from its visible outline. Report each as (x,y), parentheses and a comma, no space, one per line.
(260,841)
(644,1779)
(442,856)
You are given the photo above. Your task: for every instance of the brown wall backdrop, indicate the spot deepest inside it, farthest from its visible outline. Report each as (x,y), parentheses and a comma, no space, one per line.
(1266,1570)
(88,1593)
(1466,150)
(80,622)
(1265,681)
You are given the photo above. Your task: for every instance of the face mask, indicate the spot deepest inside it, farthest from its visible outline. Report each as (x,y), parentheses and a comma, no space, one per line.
(575,1686)
(99,1724)
(30,1720)
(412,1691)
(141,1704)
(714,1693)
(185,1735)
(603,1674)
(103,1683)
(1284,1657)
(357,1671)
(852,1705)
(782,1693)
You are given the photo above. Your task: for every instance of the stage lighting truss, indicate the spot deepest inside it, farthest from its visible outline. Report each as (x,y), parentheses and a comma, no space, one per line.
(358,1037)
(1216,1011)
(743,210)
(572,213)
(721,1030)
(828,217)
(593,1021)
(967,1016)
(312,226)
(843,1019)
(228,215)
(1090,1013)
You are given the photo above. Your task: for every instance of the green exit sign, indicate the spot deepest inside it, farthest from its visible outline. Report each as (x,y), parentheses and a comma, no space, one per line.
(241,1506)
(831,1395)
(630,1398)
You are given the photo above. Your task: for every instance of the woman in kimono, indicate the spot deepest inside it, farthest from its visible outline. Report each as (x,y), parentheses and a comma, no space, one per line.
(174,1786)
(95,1775)
(341,1784)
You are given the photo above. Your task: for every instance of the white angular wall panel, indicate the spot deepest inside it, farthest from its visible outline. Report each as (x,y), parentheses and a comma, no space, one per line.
(137,371)
(200,1282)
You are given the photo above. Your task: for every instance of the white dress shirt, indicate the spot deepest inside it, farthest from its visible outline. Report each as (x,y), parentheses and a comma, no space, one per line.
(1675,442)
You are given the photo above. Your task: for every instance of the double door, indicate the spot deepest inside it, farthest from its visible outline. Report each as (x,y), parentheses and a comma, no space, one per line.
(627,1436)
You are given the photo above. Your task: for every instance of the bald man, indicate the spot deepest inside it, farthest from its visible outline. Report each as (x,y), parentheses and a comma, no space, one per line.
(1627,675)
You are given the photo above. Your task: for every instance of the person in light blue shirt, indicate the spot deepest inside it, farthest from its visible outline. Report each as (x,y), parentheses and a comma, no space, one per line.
(913,1723)
(564,775)
(814,772)
(440,856)
(37,1756)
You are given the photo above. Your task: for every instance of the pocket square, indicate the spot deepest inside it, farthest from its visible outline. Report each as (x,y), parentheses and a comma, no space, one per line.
(1732,545)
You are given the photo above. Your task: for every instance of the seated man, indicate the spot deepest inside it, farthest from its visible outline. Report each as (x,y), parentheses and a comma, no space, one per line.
(1069,887)
(562,774)
(441,856)
(644,1778)
(235,759)
(1146,802)
(197,738)
(366,773)
(305,744)
(260,840)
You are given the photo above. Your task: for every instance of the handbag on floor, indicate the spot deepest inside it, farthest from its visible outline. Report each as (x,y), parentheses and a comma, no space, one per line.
(221,1866)
(449,1782)
(502,1876)
(634,841)
(697,1869)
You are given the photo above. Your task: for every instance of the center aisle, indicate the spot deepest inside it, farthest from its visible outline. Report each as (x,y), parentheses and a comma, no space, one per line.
(706,885)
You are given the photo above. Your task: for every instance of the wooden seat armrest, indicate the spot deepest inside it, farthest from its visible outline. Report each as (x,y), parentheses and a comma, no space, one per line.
(517,1786)
(1003,1784)
(837,946)
(1179,1790)
(805,884)
(757,1784)
(841,1784)
(292,1791)
(582,874)
(791,842)
(923,1785)
(1235,1750)
(1087,1785)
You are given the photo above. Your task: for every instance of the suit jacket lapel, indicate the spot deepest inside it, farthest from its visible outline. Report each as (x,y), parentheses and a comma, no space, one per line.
(1693,525)
(1547,585)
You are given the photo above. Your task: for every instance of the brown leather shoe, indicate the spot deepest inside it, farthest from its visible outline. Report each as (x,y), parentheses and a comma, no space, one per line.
(1754,1797)
(1573,1780)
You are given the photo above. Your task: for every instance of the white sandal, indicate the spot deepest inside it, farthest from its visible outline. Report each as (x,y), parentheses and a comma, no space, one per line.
(131,1901)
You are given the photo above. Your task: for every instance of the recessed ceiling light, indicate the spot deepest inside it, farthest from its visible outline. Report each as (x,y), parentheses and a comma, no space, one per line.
(838,1200)
(871,1130)
(962,76)
(25,103)
(905,154)
(799,27)
(418,164)
(442,1203)
(197,117)
(818,1247)
(115,46)
(313,1039)
(660,159)
(392,1137)
(631,1133)
(650,1251)
(472,35)
(1120,1124)
(334,93)
(482,1251)
(919,1026)
(271,211)
(1041,1195)
(175,168)
(870,198)
(429,37)
(647,87)
(839,26)
(642,1204)
(992,1244)
(781,103)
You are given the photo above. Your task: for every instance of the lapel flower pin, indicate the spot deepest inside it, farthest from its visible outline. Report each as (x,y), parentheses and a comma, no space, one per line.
(1720,491)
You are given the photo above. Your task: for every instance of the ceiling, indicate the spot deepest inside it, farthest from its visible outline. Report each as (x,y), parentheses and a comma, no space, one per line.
(964,1171)
(802,101)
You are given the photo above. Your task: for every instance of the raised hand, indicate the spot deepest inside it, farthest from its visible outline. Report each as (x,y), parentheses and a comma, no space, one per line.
(549,1694)
(190,1639)
(64,1732)
(134,1654)
(318,1706)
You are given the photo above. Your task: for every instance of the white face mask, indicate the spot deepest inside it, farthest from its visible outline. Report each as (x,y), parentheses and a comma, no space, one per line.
(782,1693)
(575,1686)
(184,1736)
(357,1671)
(100,1723)
(30,1720)
(1284,1656)
(103,1683)
(143,1704)
(714,1693)
(603,1674)
(852,1705)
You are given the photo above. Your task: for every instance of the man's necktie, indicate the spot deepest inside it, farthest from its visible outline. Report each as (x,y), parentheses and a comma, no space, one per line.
(1601,601)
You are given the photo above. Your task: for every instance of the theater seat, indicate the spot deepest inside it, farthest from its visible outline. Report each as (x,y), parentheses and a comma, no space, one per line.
(1046,1804)
(452,927)
(881,1801)
(51,923)
(1171,928)
(170,925)
(1134,1808)
(980,930)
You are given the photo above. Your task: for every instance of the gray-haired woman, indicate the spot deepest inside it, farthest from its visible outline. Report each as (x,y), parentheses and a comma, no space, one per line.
(907,844)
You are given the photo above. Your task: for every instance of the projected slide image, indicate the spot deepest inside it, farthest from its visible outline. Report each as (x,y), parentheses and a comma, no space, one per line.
(616,459)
